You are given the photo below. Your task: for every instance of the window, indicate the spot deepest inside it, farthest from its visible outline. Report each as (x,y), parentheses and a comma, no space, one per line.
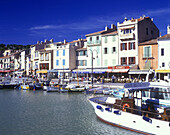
(123,46)
(127,31)
(105,50)
(90,39)
(81,63)
(98,62)
(113,49)
(123,61)
(131,60)
(81,53)
(57,53)
(105,63)
(85,62)
(77,53)
(131,45)
(42,57)
(162,51)
(152,32)
(84,53)
(113,38)
(147,33)
(97,38)
(57,62)
(147,51)
(163,64)
(64,52)
(46,56)
(105,39)
(36,54)
(113,61)
(64,62)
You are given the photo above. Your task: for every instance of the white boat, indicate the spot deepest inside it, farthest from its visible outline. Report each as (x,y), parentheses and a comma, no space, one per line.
(77,88)
(131,113)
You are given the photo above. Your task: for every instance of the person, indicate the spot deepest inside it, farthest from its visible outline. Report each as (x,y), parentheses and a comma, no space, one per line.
(113,78)
(103,80)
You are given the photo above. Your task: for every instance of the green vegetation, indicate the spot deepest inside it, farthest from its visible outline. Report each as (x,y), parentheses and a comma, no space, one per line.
(13,47)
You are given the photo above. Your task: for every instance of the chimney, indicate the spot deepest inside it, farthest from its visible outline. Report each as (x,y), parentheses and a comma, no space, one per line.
(152,19)
(41,42)
(38,42)
(65,41)
(51,40)
(143,16)
(106,28)
(126,19)
(168,29)
(45,41)
(112,26)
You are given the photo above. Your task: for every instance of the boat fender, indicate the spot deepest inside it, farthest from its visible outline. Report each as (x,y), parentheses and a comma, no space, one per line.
(98,107)
(127,106)
(108,109)
(117,112)
(147,119)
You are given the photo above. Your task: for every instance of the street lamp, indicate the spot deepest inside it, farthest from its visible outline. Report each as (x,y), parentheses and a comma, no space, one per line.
(92,58)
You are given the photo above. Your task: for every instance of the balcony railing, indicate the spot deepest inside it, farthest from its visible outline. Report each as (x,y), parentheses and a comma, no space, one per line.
(127,36)
(94,42)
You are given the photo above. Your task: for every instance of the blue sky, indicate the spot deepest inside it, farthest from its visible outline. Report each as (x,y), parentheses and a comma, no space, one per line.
(28,21)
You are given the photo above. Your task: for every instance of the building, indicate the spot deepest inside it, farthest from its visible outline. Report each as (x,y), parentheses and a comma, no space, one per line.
(65,57)
(131,33)
(95,49)
(163,71)
(148,58)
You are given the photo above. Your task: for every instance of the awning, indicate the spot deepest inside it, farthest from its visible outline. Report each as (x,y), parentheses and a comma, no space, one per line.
(89,71)
(162,71)
(42,71)
(119,70)
(4,71)
(53,71)
(139,72)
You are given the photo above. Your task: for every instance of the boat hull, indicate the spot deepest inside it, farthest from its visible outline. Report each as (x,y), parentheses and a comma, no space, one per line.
(132,122)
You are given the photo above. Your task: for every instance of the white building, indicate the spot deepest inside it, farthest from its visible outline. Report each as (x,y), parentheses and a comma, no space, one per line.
(131,33)
(64,57)
(110,49)
(95,49)
(163,56)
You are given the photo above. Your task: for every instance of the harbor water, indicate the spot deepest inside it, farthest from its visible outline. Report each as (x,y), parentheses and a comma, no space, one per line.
(41,113)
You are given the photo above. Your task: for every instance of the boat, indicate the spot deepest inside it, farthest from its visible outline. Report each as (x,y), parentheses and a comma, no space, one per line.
(117,93)
(131,113)
(55,88)
(96,90)
(63,88)
(160,87)
(24,87)
(77,88)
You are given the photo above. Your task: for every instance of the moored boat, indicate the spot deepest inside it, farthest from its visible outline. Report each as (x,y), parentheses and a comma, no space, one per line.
(131,113)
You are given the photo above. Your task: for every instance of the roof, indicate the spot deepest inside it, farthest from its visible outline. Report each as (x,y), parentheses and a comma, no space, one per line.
(74,41)
(111,33)
(139,19)
(150,42)
(96,33)
(167,36)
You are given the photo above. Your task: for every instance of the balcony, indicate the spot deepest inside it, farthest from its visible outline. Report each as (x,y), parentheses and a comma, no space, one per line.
(94,42)
(127,36)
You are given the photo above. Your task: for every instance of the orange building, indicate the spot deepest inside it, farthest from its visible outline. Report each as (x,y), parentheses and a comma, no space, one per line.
(148,55)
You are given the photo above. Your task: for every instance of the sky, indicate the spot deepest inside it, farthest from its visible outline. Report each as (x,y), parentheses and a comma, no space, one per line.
(27,21)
